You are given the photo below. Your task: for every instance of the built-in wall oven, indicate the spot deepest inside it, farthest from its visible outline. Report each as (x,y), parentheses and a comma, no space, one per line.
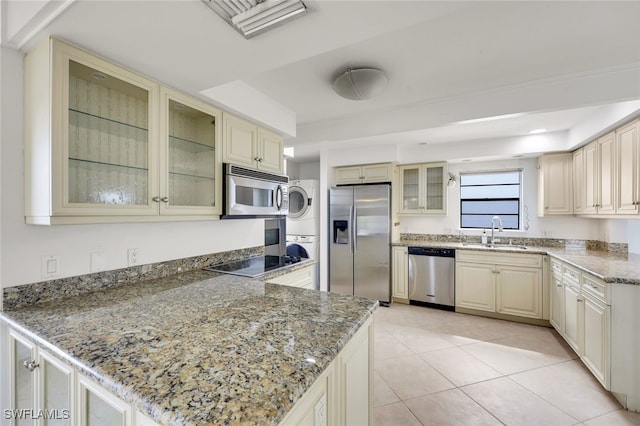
(253,193)
(275,236)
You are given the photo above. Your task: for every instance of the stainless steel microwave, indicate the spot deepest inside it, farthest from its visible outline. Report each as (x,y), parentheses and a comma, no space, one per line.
(251,193)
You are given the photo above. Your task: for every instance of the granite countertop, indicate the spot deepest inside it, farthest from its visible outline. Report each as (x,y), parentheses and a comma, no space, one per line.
(608,266)
(200,347)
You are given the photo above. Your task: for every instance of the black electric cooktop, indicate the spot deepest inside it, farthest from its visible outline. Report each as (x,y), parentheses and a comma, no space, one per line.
(254,266)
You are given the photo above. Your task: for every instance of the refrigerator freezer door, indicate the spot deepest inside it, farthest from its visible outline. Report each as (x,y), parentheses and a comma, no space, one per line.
(372,245)
(341,243)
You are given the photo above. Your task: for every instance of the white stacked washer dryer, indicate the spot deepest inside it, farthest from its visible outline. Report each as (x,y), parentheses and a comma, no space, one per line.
(303,220)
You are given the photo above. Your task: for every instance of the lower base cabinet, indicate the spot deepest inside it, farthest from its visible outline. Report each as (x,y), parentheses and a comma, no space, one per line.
(595,354)
(581,313)
(508,283)
(302,277)
(39,384)
(400,275)
(343,394)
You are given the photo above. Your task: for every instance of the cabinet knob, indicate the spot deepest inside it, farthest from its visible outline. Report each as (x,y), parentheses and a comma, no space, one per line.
(156,199)
(165,199)
(546,207)
(31,365)
(256,158)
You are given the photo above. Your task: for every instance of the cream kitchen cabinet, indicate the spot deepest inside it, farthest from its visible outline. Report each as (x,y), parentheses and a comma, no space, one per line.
(41,386)
(579,182)
(248,145)
(586,323)
(555,184)
(504,283)
(573,313)
(556,297)
(475,285)
(97,406)
(191,175)
(367,173)
(628,169)
(343,394)
(400,276)
(423,189)
(597,189)
(103,144)
(302,277)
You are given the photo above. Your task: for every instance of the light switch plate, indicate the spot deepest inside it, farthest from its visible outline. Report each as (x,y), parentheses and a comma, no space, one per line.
(50,266)
(98,261)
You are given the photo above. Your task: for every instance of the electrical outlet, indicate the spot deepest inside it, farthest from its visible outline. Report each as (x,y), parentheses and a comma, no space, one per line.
(98,261)
(50,266)
(132,257)
(320,411)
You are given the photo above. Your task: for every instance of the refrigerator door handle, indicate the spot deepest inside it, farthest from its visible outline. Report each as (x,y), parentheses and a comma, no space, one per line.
(354,228)
(350,233)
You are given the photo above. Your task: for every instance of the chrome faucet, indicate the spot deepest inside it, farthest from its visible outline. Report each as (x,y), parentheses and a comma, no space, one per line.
(493,229)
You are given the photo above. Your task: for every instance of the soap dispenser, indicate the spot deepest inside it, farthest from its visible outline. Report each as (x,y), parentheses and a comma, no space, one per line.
(484,236)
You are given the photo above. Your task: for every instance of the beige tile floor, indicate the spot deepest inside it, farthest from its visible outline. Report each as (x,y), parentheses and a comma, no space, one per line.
(435,367)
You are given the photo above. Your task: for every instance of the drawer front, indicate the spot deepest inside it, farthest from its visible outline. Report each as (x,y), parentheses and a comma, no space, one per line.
(556,267)
(596,288)
(500,258)
(571,276)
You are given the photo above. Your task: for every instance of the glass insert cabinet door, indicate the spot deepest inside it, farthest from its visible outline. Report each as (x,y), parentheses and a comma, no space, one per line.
(110,151)
(189,164)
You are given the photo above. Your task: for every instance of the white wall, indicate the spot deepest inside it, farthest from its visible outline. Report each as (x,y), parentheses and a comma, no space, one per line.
(303,170)
(22,246)
(633,230)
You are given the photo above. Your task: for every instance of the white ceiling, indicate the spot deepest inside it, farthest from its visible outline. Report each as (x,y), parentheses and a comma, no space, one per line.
(552,63)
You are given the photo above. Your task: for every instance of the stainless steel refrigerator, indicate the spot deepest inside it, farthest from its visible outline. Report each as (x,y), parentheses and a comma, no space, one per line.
(360,241)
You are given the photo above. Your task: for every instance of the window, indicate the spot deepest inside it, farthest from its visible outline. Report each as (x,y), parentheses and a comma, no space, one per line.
(488,194)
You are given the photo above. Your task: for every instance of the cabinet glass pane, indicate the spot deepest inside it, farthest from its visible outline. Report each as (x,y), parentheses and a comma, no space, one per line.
(23,382)
(98,412)
(108,139)
(56,395)
(191,156)
(435,191)
(410,189)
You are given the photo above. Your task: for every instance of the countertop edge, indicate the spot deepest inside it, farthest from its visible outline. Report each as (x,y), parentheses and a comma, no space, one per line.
(530,250)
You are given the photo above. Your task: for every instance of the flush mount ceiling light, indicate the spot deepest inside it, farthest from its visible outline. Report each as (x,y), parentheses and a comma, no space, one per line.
(360,83)
(253,17)
(537,131)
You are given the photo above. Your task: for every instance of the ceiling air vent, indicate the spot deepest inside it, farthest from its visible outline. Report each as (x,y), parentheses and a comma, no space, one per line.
(252,17)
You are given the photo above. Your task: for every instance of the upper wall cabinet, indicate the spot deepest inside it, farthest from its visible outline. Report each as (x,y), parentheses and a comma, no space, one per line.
(191,176)
(628,168)
(248,145)
(423,188)
(103,144)
(607,174)
(366,173)
(599,163)
(555,186)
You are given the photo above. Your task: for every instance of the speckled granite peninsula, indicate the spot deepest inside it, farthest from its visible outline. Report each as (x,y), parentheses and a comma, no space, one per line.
(199,348)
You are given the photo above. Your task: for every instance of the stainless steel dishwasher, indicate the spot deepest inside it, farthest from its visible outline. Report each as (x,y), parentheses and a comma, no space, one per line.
(431,277)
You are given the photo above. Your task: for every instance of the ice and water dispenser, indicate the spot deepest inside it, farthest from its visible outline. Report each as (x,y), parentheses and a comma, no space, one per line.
(340,232)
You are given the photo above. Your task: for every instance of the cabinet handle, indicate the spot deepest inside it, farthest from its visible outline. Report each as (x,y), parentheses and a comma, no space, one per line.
(31,365)
(546,207)
(156,199)
(165,199)
(558,285)
(256,158)
(579,299)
